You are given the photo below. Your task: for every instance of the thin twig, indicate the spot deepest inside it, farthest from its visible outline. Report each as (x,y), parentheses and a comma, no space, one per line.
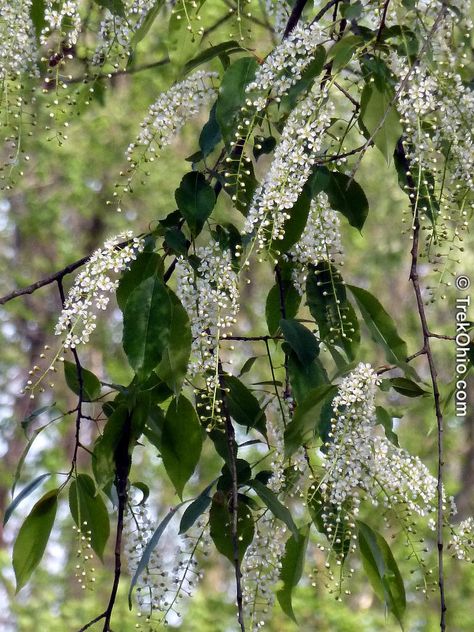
(382,22)
(414,278)
(295,16)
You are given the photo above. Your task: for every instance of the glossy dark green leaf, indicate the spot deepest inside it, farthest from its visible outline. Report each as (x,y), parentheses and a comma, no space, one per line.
(174,363)
(342,51)
(195,510)
(247,366)
(232,95)
(276,507)
(407,387)
(25,492)
(33,537)
(347,196)
(150,547)
(146,265)
(210,53)
(263,146)
(89,512)
(116,7)
(146,325)
(303,426)
(103,459)
(330,308)
(181,442)
(210,135)
(37,15)
(220,522)
(380,324)
(304,378)
(301,340)
(352,11)
(292,569)
(385,419)
(294,227)
(90,383)
(376,106)
(244,474)
(175,241)
(273,312)
(243,405)
(382,570)
(195,199)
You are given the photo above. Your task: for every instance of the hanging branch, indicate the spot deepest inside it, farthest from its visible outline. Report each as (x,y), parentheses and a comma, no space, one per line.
(426,350)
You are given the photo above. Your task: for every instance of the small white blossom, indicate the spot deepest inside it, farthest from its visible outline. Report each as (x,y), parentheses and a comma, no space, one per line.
(62,17)
(17,39)
(462,539)
(93,287)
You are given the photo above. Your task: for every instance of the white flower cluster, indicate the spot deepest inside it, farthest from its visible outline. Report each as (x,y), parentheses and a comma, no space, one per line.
(358,460)
(17,39)
(320,241)
(170,112)
(285,65)
(462,540)
(261,569)
(210,295)
(171,574)
(115,29)
(300,144)
(62,17)
(93,287)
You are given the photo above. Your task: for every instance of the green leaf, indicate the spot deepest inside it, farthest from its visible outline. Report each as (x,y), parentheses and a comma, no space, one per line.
(87,506)
(407,387)
(278,510)
(341,53)
(103,460)
(243,405)
(220,522)
(210,53)
(273,310)
(195,199)
(330,308)
(305,420)
(150,547)
(381,325)
(210,135)
(385,419)
(301,340)
(181,442)
(146,325)
(382,570)
(293,228)
(303,378)
(116,7)
(37,15)
(352,11)
(292,569)
(33,537)
(90,383)
(195,510)
(244,474)
(375,107)
(314,68)
(25,492)
(232,95)
(147,22)
(347,196)
(146,265)
(174,363)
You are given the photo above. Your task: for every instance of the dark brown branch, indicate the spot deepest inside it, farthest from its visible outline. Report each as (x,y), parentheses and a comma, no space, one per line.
(295,16)
(234,501)
(382,22)
(324,10)
(414,278)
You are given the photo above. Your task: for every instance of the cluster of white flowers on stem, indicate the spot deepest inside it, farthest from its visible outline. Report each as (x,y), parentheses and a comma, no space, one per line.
(300,144)
(320,241)
(115,29)
(462,540)
(167,579)
(210,294)
(93,287)
(62,17)
(278,11)
(169,113)
(285,65)
(359,463)
(17,40)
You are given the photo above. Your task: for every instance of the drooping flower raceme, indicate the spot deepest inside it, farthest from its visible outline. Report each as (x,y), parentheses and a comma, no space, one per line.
(210,295)
(169,113)
(93,287)
(17,39)
(462,540)
(300,144)
(286,63)
(320,241)
(62,17)
(362,463)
